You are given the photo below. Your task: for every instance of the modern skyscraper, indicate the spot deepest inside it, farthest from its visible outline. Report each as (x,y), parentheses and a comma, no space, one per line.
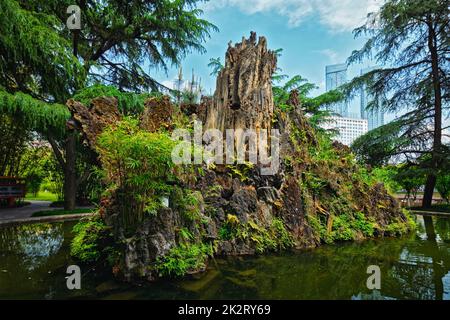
(375,118)
(336,76)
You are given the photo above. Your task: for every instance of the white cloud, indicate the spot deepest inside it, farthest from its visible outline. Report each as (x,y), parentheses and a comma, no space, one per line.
(342,15)
(332,55)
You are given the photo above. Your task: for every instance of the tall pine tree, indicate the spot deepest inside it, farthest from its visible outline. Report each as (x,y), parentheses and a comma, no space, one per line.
(412,40)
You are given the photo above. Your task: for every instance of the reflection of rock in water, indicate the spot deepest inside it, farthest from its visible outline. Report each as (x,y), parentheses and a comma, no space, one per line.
(422,268)
(37,242)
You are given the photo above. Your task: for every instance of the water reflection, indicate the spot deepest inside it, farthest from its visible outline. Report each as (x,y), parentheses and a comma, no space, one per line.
(412,267)
(35,243)
(424,264)
(30,254)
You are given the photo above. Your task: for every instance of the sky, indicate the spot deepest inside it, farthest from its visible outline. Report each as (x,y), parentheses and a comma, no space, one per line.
(312,34)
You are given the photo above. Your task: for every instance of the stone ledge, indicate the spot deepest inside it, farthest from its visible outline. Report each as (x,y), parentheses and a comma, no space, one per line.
(430,213)
(62,217)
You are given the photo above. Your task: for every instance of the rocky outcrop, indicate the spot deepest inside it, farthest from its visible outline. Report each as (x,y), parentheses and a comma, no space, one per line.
(93,119)
(158,114)
(243,97)
(317,196)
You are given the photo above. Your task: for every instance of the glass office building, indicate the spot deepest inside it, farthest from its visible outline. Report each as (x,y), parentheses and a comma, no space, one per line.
(336,75)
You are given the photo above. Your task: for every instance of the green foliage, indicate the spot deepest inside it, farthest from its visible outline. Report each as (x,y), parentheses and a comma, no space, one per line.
(443,186)
(43,62)
(279,232)
(183,259)
(272,238)
(185,235)
(226,232)
(35,54)
(411,41)
(387,175)
(139,165)
(13,144)
(33,114)
(344,226)
(214,190)
(188,202)
(397,229)
(319,228)
(240,171)
(366,226)
(281,93)
(315,107)
(190,95)
(410,178)
(42,196)
(376,147)
(323,152)
(36,166)
(313,182)
(89,233)
(216,65)
(115,40)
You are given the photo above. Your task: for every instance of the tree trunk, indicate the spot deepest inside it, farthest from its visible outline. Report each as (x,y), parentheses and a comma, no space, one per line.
(70,176)
(427,200)
(437,136)
(70,173)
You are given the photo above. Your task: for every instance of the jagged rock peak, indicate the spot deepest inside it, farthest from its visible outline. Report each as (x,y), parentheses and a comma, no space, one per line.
(243,98)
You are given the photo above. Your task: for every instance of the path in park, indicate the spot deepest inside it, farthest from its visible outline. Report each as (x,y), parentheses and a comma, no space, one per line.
(25,211)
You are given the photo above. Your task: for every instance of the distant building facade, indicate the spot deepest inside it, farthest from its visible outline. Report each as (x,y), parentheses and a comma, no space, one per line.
(349,128)
(375,118)
(336,76)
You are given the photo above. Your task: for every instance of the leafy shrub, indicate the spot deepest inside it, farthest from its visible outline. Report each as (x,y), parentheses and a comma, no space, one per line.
(273,238)
(387,175)
(184,258)
(138,164)
(361,223)
(342,228)
(190,204)
(89,234)
(443,186)
(319,228)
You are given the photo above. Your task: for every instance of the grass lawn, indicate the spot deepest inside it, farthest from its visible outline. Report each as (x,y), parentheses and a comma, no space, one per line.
(42,196)
(435,208)
(60,212)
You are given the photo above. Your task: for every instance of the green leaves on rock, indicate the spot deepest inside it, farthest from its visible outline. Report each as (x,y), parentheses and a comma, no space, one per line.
(139,165)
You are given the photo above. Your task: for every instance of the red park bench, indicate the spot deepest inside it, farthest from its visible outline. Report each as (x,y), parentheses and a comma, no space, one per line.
(12,188)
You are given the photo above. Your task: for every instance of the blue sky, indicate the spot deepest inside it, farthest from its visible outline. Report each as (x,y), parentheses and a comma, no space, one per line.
(312,33)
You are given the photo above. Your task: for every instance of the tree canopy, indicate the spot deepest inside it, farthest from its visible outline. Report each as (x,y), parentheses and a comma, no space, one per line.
(43,63)
(117,40)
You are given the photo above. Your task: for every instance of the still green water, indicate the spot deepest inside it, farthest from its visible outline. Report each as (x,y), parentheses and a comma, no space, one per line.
(34,258)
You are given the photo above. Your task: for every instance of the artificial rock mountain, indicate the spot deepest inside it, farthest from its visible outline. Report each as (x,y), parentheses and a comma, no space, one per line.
(317,196)
(243,98)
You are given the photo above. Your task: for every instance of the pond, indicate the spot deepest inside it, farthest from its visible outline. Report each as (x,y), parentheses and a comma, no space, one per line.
(34,258)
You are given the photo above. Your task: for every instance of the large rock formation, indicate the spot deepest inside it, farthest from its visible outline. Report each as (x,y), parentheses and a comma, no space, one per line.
(243,98)
(93,119)
(318,195)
